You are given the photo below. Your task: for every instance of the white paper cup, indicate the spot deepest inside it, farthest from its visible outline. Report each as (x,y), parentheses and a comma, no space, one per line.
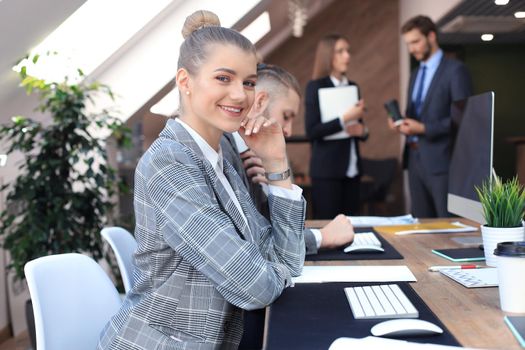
(511,272)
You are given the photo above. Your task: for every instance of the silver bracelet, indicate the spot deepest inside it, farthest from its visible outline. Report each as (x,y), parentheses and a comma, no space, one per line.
(278,176)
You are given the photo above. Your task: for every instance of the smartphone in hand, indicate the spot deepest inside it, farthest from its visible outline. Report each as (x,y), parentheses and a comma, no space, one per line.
(392,108)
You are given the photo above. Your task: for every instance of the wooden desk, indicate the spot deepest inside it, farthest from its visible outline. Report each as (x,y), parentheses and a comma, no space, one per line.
(472,315)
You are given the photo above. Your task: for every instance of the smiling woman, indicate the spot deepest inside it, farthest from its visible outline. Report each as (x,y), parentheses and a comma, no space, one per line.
(228,76)
(204,252)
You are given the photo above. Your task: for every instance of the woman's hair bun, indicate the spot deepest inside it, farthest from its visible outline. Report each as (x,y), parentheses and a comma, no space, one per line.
(199,19)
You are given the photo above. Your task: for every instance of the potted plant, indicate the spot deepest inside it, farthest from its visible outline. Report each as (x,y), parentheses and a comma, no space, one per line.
(63,195)
(503,204)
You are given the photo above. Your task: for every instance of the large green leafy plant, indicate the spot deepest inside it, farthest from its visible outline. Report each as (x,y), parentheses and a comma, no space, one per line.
(503,202)
(63,194)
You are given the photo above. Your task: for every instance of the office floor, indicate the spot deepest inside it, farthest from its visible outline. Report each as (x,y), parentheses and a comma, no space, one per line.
(19,343)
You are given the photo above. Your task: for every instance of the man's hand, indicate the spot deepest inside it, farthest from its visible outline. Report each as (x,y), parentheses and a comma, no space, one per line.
(253,167)
(337,232)
(392,125)
(411,127)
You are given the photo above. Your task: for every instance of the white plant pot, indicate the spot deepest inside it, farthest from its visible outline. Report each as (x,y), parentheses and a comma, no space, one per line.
(493,235)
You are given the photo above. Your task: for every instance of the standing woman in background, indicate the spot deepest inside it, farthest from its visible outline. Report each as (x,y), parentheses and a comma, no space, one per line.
(334,165)
(204,252)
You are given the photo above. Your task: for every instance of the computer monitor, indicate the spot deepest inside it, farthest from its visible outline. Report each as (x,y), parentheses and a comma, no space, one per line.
(471,162)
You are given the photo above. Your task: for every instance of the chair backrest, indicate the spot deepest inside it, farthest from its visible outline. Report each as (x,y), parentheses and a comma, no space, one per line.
(124,245)
(73,299)
(381,172)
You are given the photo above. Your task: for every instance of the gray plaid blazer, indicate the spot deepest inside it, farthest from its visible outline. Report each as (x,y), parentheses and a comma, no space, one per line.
(231,154)
(197,263)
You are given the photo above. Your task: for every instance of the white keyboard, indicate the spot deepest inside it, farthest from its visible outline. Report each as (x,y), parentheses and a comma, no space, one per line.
(364,241)
(381,301)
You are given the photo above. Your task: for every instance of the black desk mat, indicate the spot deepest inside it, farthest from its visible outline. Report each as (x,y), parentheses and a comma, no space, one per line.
(338,254)
(313,315)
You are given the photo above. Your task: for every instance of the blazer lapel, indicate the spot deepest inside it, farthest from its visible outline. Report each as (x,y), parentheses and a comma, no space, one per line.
(231,153)
(226,202)
(243,197)
(411,84)
(175,131)
(327,82)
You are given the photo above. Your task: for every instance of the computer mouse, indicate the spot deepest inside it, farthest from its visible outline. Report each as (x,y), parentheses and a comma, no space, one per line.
(405,327)
(363,248)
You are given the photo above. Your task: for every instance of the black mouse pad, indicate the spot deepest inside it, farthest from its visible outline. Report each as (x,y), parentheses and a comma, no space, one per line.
(313,315)
(338,254)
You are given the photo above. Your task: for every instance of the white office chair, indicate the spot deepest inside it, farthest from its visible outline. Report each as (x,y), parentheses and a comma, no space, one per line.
(124,245)
(73,299)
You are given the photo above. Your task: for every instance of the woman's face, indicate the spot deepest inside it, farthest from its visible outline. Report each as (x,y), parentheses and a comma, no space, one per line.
(341,57)
(221,93)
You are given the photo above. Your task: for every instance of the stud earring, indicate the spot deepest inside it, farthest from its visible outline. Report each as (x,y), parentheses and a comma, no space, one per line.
(187,92)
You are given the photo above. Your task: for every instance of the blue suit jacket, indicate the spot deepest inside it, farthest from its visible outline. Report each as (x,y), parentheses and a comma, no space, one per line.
(450,83)
(197,262)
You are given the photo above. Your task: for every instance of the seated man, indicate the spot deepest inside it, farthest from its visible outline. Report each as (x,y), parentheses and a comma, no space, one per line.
(278,97)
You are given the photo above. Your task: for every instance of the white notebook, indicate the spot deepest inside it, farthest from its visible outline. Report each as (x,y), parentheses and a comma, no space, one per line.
(333,102)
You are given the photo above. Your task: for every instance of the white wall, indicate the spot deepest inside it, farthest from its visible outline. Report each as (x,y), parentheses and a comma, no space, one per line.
(4,316)
(13,295)
(23,23)
(4,319)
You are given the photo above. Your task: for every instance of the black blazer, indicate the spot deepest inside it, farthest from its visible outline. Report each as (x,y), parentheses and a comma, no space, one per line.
(450,83)
(330,158)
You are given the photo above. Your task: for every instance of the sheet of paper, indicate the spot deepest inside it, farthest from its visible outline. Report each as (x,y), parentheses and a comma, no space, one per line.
(373,343)
(334,102)
(369,221)
(320,274)
(473,278)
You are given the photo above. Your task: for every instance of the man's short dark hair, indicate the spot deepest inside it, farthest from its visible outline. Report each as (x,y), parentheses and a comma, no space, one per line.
(423,23)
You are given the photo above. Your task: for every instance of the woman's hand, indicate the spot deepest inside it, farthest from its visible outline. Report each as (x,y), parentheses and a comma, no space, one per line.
(265,137)
(355,112)
(355,129)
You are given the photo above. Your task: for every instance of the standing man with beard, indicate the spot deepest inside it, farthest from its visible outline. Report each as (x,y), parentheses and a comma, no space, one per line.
(434,85)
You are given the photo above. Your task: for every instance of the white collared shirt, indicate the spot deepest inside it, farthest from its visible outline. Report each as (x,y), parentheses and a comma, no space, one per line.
(351,171)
